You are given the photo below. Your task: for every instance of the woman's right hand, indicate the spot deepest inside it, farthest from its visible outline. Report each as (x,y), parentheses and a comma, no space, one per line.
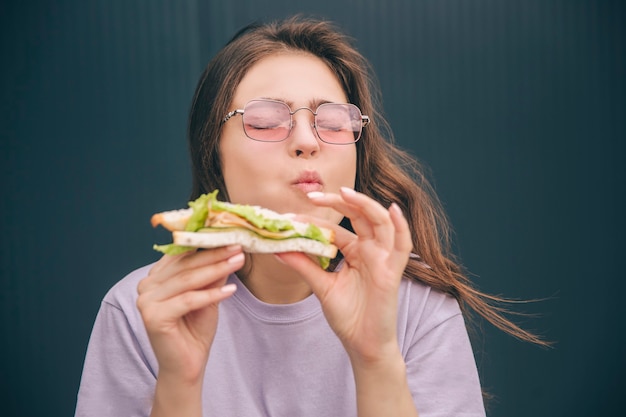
(178,301)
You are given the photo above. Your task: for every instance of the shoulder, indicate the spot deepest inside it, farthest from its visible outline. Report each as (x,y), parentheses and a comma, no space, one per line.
(118,317)
(427,301)
(123,295)
(441,369)
(422,308)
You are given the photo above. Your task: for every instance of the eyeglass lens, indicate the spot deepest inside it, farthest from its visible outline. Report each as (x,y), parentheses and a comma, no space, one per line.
(270,121)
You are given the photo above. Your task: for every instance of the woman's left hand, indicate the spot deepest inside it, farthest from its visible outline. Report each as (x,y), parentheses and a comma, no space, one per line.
(360,301)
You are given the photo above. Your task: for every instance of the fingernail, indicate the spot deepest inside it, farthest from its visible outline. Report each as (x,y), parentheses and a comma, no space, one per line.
(236,259)
(396,208)
(233,248)
(347,190)
(228,288)
(315,194)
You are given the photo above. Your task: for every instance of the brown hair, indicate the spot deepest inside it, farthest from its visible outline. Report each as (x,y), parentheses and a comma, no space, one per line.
(384,172)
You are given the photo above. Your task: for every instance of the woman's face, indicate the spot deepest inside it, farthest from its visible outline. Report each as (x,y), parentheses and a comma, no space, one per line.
(278,175)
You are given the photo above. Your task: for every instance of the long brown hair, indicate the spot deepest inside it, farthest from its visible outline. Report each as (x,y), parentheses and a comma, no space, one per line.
(384,172)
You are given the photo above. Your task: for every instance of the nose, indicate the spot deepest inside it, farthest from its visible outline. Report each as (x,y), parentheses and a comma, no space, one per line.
(303,142)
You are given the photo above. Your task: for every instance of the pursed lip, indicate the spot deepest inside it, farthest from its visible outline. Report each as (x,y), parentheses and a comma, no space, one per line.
(309,181)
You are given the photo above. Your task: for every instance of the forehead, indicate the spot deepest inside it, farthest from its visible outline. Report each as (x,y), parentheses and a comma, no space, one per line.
(299,79)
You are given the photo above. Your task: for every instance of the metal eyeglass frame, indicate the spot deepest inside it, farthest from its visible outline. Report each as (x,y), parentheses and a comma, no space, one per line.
(365,120)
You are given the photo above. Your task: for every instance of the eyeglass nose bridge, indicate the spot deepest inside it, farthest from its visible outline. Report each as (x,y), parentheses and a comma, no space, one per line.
(293,121)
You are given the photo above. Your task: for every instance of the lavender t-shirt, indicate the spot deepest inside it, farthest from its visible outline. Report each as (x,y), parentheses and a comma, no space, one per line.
(280,360)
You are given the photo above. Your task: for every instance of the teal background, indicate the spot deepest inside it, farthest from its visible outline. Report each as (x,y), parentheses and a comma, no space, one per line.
(518,108)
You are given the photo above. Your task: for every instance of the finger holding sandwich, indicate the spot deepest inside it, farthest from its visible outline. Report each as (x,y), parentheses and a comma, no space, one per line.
(190,271)
(360,299)
(178,303)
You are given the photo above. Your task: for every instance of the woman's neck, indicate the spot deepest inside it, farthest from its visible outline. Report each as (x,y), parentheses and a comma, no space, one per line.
(273,282)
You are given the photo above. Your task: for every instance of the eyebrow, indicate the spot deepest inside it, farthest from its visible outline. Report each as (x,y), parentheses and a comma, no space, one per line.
(313,104)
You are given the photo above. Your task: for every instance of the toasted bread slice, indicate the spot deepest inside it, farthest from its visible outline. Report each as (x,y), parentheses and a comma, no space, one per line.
(252,242)
(172,220)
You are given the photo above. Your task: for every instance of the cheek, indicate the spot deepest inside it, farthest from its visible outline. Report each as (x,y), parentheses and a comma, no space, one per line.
(235,165)
(346,168)
(243,161)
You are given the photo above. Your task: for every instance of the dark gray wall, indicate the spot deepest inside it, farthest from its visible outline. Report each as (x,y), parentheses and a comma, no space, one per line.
(518,107)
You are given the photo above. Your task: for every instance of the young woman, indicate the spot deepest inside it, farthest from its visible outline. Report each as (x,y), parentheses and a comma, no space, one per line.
(222,333)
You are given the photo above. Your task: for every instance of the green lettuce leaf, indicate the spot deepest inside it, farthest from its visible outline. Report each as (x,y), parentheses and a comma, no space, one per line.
(172,249)
(200,207)
(315,233)
(324,262)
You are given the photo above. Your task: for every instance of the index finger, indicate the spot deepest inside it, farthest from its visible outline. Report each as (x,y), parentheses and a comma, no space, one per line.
(369,218)
(190,260)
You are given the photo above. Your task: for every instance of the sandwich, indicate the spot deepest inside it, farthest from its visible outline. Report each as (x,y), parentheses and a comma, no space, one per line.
(210,223)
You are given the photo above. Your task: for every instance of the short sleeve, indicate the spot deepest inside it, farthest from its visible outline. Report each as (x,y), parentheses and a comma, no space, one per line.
(441,368)
(117,378)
